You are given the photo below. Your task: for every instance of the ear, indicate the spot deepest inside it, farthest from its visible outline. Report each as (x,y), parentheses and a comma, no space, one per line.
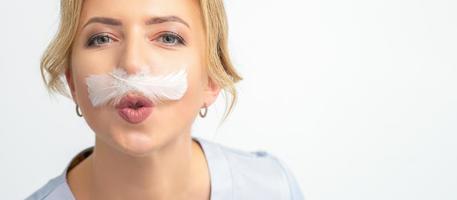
(212,90)
(70,83)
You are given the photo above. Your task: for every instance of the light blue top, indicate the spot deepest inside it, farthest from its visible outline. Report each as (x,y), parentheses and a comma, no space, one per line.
(235,175)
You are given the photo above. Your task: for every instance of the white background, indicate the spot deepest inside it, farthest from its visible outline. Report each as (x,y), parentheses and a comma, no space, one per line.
(358,97)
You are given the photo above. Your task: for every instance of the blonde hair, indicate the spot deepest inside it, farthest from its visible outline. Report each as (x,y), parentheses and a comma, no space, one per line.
(56,59)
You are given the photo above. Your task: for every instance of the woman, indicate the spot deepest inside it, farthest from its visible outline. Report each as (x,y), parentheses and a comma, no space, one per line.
(139,73)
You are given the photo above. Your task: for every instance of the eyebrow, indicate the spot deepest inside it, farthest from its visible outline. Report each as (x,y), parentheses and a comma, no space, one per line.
(150,21)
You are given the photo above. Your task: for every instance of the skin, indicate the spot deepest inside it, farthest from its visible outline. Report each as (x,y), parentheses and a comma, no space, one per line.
(156,159)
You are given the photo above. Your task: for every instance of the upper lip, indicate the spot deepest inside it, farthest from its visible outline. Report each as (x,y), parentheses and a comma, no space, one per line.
(134,101)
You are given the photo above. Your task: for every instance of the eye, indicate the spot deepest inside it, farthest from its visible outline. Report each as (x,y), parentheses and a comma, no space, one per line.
(171,39)
(99,40)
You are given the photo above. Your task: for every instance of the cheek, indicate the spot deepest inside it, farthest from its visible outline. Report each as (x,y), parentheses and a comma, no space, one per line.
(98,119)
(85,63)
(193,98)
(187,108)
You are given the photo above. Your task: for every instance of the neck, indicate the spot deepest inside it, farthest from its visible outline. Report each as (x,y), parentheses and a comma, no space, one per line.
(174,171)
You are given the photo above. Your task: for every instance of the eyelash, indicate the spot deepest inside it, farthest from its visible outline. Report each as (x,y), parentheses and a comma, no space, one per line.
(180,41)
(92,40)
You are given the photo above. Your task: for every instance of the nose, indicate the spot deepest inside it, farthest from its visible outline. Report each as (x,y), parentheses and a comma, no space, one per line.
(132,57)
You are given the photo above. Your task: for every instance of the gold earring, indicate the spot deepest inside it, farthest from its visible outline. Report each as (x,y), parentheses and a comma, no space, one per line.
(203,115)
(78,112)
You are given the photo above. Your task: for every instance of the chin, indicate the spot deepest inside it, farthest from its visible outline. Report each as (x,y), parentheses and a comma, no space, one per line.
(136,143)
(136,140)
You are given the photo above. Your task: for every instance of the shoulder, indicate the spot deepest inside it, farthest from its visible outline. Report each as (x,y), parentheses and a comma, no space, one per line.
(259,174)
(54,189)
(262,171)
(57,187)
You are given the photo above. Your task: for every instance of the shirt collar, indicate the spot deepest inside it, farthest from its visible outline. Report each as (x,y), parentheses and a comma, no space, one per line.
(218,165)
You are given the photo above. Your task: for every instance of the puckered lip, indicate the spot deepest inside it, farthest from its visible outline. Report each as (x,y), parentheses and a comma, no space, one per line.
(134,101)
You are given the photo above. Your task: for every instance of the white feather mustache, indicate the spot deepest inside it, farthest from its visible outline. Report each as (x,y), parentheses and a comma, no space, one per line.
(110,88)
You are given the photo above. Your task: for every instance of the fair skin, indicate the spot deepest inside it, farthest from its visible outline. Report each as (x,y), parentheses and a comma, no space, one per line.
(155,159)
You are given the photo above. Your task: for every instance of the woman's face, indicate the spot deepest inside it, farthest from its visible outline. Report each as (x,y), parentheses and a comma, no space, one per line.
(161,35)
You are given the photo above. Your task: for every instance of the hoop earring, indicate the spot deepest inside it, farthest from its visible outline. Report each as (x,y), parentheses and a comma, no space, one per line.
(203,115)
(78,112)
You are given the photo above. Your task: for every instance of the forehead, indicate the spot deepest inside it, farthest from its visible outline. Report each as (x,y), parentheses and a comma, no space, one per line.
(138,11)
